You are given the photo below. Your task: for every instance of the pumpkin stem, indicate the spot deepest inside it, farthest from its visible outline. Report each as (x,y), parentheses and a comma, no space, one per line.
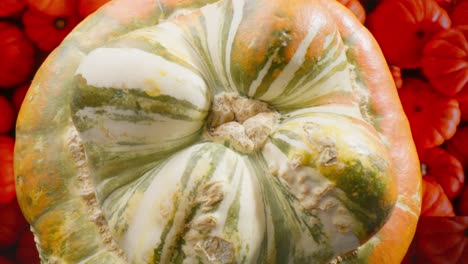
(241,123)
(60,23)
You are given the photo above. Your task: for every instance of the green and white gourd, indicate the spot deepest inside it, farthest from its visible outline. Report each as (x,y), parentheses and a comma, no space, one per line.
(195,152)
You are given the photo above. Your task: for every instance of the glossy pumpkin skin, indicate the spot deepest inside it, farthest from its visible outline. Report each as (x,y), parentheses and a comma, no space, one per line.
(403,27)
(445,61)
(264,194)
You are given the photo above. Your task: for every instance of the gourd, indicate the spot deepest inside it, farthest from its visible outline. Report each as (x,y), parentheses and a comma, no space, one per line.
(217,131)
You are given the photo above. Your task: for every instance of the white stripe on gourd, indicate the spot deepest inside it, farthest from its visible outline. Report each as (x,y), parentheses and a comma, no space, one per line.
(154,210)
(130,68)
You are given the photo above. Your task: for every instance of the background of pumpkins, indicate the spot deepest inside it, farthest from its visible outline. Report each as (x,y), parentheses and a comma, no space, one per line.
(425,43)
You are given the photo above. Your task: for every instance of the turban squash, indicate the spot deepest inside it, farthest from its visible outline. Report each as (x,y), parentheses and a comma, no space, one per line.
(241,131)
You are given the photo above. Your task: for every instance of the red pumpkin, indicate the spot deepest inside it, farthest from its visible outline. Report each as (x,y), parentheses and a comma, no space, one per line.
(433,118)
(7,180)
(442,240)
(356,8)
(26,251)
(7,117)
(434,200)
(12,223)
(18,96)
(11,7)
(445,61)
(86,7)
(47,31)
(459,13)
(402,28)
(445,168)
(458,145)
(17,55)
(54,7)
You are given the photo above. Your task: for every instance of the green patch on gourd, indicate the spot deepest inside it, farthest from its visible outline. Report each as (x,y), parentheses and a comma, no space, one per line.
(136,101)
(365,191)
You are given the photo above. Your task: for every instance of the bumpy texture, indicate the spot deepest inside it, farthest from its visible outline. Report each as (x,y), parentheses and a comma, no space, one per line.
(238,132)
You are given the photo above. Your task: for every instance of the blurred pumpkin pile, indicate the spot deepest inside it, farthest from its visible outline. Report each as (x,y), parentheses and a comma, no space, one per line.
(425,43)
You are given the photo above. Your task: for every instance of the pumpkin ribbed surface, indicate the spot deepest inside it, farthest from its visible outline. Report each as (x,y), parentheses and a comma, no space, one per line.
(237,132)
